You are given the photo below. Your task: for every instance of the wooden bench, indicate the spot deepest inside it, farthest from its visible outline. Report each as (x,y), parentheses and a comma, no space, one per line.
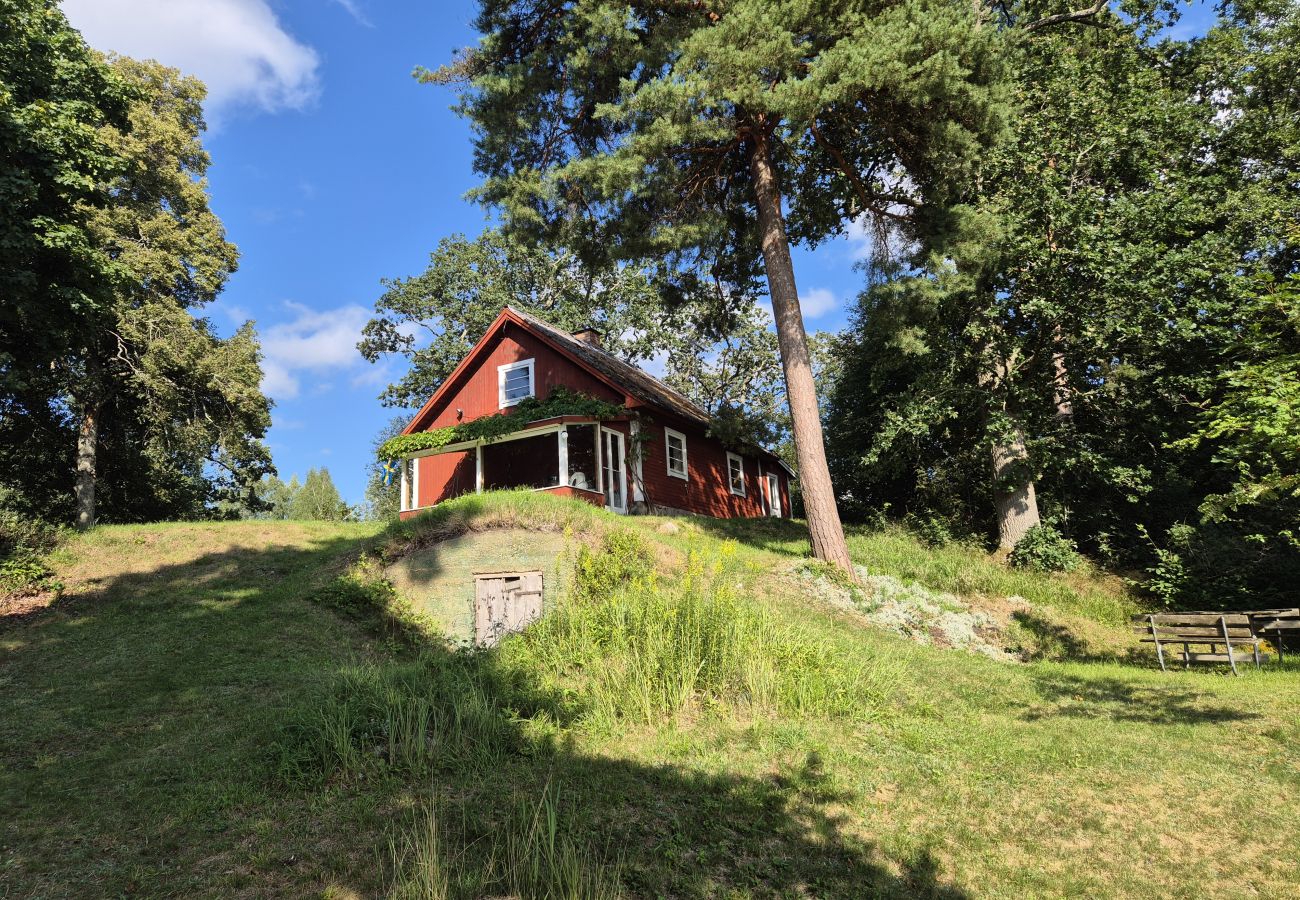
(1202,629)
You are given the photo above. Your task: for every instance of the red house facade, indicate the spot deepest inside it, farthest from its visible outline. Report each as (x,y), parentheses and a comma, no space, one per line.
(656,458)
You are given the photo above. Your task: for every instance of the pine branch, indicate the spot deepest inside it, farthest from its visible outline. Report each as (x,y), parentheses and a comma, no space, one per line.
(1077,15)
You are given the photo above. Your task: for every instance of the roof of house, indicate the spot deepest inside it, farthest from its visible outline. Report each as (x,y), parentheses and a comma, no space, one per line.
(637,382)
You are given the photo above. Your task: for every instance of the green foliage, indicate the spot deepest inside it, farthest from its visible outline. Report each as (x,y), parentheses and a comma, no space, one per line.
(933,530)
(1110,297)
(25,541)
(560,402)
(628,134)
(318,499)
(622,557)
(179,409)
(1045,549)
(383,501)
(56,99)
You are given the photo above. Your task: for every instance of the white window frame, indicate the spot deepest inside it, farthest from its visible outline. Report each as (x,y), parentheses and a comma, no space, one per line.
(502,371)
(730,483)
(685,473)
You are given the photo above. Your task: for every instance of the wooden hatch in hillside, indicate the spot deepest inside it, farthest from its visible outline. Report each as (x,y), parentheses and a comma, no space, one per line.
(504,602)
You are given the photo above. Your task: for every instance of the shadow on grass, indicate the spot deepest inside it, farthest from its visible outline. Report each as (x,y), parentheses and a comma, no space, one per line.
(1127,701)
(1056,641)
(785,537)
(142,745)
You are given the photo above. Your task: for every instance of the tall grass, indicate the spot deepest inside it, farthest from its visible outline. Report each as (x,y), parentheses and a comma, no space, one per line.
(532,856)
(636,645)
(441,710)
(966,570)
(532,510)
(626,643)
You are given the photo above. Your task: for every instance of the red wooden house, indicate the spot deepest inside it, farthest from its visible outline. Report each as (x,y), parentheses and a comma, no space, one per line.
(657,458)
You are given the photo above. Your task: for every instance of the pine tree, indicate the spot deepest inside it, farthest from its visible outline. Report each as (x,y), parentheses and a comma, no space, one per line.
(705,137)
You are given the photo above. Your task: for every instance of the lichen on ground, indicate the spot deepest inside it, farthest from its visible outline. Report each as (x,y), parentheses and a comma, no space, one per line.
(915,612)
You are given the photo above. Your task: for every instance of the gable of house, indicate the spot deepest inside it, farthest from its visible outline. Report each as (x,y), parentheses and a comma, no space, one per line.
(521,355)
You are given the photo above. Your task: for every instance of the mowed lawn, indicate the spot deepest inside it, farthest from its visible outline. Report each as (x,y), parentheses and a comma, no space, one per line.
(144,720)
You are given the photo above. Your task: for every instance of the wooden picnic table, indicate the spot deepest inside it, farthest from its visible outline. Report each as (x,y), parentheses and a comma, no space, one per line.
(1219,627)
(1279,629)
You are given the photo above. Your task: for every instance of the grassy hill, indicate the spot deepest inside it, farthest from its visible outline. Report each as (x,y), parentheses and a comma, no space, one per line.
(246,709)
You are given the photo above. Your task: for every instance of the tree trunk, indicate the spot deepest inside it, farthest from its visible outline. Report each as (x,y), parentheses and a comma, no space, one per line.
(824,528)
(87,446)
(1061,391)
(1014,498)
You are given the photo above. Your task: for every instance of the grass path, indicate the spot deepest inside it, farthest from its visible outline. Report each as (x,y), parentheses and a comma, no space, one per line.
(140,719)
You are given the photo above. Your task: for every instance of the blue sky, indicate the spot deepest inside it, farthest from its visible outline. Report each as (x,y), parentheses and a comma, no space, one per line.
(332,168)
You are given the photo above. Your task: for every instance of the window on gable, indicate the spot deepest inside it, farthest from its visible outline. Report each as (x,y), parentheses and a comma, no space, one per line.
(736,474)
(675,443)
(515,382)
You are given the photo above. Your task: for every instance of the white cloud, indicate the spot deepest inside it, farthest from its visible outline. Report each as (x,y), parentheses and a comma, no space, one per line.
(238,47)
(314,341)
(861,241)
(817,303)
(355,11)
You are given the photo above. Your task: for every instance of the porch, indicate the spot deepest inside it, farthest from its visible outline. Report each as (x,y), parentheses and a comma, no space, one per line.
(569,455)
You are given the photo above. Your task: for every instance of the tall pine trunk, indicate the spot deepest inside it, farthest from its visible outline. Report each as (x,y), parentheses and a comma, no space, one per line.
(824,528)
(87,448)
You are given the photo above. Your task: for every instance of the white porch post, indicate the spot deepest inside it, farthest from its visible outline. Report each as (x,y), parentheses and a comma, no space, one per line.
(564,455)
(478,468)
(402,504)
(600,459)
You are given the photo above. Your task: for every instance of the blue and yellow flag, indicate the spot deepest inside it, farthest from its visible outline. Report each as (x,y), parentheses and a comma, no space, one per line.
(390,469)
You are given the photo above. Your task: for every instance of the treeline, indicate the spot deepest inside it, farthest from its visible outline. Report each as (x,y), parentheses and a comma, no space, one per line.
(314,498)
(1104,335)
(118,402)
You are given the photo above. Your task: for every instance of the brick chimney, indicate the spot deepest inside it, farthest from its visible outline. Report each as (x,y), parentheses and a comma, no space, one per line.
(588,335)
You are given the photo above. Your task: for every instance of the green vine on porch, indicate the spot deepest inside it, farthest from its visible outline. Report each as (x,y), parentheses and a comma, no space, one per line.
(560,402)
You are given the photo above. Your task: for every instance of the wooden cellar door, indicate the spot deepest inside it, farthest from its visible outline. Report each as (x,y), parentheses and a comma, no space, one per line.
(505,602)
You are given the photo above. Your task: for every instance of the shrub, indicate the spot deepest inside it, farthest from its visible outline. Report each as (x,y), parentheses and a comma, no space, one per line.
(622,557)
(364,593)
(24,544)
(1045,549)
(931,529)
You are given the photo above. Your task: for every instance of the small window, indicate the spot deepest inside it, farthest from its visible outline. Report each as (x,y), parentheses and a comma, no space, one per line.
(515,381)
(676,447)
(736,474)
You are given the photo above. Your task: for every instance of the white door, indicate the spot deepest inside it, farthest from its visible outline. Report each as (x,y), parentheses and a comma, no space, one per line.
(773,496)
(613,470)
